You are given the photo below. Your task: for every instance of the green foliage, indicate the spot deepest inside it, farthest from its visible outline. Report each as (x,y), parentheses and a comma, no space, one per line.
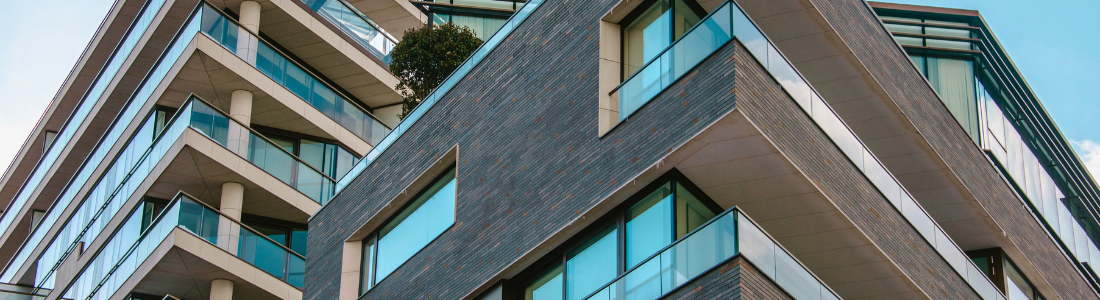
(424,58)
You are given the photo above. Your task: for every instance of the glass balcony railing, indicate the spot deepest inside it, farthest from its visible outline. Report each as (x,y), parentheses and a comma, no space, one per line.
(114,133)
(696,45)
(199,116)
(114,183)
(700,42)
(356,25)
(288,74)
(699,252)
(80,114)
(1025,171)
(443,88)
(258,150)
(134,162)
(133,243)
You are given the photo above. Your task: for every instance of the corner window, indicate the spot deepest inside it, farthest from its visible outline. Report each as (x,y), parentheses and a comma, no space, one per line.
(642,227)
(425,218)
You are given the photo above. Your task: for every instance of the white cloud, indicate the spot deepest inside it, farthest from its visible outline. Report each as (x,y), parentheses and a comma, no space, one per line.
(1089,151)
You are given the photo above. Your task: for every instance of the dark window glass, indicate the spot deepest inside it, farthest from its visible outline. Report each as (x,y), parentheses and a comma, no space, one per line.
(367,266)
(547,287)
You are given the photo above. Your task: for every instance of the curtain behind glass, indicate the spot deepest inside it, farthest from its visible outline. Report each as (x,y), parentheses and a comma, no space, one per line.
(954,80)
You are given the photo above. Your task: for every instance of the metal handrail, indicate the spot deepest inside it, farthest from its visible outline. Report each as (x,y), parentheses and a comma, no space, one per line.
(226,115)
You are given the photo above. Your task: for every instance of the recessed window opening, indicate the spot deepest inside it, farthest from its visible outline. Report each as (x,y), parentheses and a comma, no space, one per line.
(415,226)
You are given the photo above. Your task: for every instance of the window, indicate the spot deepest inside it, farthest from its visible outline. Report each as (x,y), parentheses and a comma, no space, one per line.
(425,218)
(653,28)
(996,265)
(326,156)
(643,226)
(48,140)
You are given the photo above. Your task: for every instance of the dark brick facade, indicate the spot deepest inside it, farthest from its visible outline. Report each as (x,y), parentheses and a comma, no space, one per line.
(874,46)
(530,159)
(736,279)
(779,118)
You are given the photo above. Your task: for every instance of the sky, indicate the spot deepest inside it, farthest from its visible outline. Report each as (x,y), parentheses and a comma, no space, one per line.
(40,45)
(1053,43)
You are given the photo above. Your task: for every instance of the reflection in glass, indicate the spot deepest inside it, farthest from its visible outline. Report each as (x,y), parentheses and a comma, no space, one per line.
(646,37)
(428,216)
(367,270)
(649,225)
(547,287)
(592,265)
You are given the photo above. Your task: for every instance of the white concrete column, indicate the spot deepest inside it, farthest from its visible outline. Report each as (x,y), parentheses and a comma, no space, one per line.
(240,109)
(250,22)
(221,289)
(232,204)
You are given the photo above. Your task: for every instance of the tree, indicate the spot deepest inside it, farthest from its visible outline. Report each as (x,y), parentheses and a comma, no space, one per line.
(424,58)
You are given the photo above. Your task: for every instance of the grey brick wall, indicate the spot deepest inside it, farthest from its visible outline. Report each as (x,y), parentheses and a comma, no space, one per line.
(857,24)
(529,156)
(530,159)
(736,279)
(778,117)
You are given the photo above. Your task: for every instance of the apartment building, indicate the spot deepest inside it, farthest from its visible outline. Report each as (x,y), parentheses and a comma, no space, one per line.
(589,149)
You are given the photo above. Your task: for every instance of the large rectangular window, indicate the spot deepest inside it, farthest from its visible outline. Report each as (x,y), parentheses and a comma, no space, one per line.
(425,218)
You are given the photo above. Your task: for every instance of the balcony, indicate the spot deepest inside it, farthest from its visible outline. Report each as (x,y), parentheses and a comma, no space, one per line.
(728,235)
(140,44)
(157,85)
(182,251)
(356,25)
(196,150)
(736,164)
(395,16)
(286,73)
(332,54)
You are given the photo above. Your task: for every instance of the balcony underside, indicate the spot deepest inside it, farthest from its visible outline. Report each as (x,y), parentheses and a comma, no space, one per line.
(829,63)
(213,73)
(734,164)
(199,166)
(293,26)
(395,16)
(203,166)
(184,265)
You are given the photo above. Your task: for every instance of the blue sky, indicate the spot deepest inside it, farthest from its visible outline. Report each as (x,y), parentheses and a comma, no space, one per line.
(40,46)
(1054,44)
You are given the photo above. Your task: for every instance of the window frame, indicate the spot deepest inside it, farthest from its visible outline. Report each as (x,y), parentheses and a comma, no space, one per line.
(374,234)
(616,217)
(637,13)
(996,273)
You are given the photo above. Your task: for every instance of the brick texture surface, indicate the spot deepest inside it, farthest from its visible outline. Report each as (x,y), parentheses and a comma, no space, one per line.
(735,279)
(530,159)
